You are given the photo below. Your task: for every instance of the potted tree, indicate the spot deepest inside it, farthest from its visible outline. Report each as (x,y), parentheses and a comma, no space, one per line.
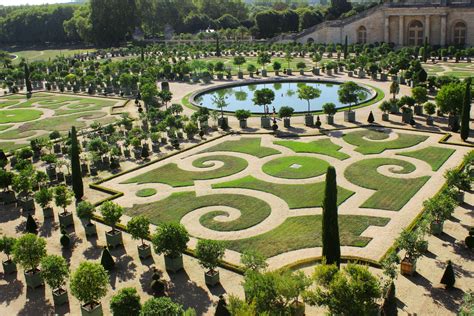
(55,271)
(126,302)
(440,208)
(239,60)
(251,69)
(209,253)
(6,246)
(139,228)
(63,198)
(89,284)
(329,109)
(411,242)
(285,113)
(276,67)
(111,213)
(430,109)
(7,196)
(220,102)
(171,239)
(349,92)
(28,251)
(85,211)
(22,184)
(308,93)
(242,116)
(43,197)
(191,129)
(385,107)
(301,66)
(420,95)
(264,97)
(459,180)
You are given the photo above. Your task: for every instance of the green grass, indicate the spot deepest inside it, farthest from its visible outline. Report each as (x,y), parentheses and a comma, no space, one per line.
(145,192)
(18,115)
(371,141)
(434,156)
(244,145)
(173,208)
(459,74)
(391,193)
(308,167)
(295,195)
(4,127)
(15,134)
(62,123)
(11,146)
(323,147)
(38,55)
(306,232)
(172,175)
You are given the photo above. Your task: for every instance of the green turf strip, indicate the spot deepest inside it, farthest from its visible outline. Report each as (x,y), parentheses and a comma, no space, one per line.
(322,146)
(244,145)
(295,167)
(434,156)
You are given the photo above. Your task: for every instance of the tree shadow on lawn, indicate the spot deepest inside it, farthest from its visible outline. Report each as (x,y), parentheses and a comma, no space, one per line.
(12,290)
(36,304)
(124,270)
(186,292)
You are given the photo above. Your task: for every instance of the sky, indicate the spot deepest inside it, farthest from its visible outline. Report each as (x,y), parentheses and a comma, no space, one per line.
(22,2)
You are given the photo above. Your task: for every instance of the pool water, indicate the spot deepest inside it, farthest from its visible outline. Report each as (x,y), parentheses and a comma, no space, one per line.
(286,94)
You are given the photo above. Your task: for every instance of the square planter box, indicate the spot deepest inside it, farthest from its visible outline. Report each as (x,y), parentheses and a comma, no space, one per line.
(222,120)
(436,228)
(349,116)
(460,197)
(174,264)
(329,72)
(264,72)
(66,219)
(286,122)
(7,197)
(48,212)
(316,71)
(144,251)
(330,119)
(407,267)
(27,205)
(212,279)
(350,73)
(385,117)
(33,280)
(243,123)
(429,121)
(309,120)
(407,117)
(418,110)
(301,72)
(265,122)
(95,310)
(114,239)
(60,297)
(9,266)
(288,72)
(240,75)
(90,229)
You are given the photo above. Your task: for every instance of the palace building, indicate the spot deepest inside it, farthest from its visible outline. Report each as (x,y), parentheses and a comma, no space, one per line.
(403,23)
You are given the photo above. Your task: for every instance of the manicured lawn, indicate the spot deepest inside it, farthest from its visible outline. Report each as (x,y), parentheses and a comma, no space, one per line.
(295,167)
(16,134)
(37,55)
(4,127)
(391,193)
(172,175)
(306,232)
(11,146)
(323,147)
(62,123)
(18,115)
(173,208)
(434,156)
(146,192)
(371,141)
(246,145)
(295,195)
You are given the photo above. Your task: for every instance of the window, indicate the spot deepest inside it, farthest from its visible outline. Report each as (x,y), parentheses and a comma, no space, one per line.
(362,35)
(415,33)
(459,33)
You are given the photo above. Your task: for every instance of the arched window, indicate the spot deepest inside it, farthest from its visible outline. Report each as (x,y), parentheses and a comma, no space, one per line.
(459,33)
(415,33)
(361,35)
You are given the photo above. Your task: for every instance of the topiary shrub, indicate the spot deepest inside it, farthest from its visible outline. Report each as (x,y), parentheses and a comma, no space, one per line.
(31,226)
(106,260)
(65,240)
(448,278)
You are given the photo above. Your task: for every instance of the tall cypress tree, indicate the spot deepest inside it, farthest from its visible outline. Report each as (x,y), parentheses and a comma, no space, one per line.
(466,111)
(345,48)
(29,88)
(77,185)
(330,229)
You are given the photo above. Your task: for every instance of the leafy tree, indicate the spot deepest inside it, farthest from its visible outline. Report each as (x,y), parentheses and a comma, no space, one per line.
(77,185)
(263,97)
(139,227)
(7,245)
(89,282)
(253,260)
(459,179)
(220,102)
(430,108)
(263,59)
(28,251)
(126,302)
(286,112)
(55,271)
(85,210)
(420,94)
(329,108)
(111,212)
(170,239)
(349,92)
(43,197)
(330,228)
(440,207)
(209,253)
(353,290)
(239,60)
(242,114)
(6,179)
(450,98)
(339,7)
(62,197)
(394,89)
(161,306)
(466,111)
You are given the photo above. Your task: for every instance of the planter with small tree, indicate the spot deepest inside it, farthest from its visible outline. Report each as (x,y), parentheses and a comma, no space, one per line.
(22,184)
(209,253)
(440,208)
(308,93)
(28,251)
(242,116)
(139,228)
(285,113)
(85,211)
(264,97)
(459,180)
(7,196)
(126,302)
(430,109)
(63,198)
(55,271)
(6,246)
(171,240)
(89,284)
(329,109)
(350,93)
(412,243)
(111,214)
(385,107)
(44,197)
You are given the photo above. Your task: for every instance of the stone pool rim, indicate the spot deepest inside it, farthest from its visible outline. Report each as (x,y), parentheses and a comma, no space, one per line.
(193,96)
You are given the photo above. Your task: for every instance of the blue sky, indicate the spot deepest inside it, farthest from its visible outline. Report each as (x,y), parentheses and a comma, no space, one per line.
(21,2)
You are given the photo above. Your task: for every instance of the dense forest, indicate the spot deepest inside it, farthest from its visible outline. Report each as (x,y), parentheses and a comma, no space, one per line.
(110,22)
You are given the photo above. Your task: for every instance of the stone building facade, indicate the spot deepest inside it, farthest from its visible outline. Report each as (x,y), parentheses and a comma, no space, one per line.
(403,23)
